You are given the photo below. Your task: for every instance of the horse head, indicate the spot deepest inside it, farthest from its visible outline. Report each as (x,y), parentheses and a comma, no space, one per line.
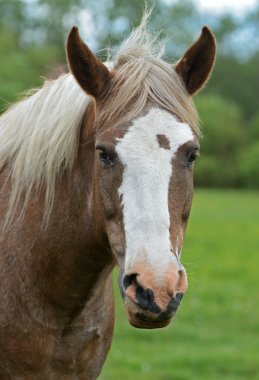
(146,142)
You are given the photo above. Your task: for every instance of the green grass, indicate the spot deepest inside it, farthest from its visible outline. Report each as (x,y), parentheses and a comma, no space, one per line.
(215,334)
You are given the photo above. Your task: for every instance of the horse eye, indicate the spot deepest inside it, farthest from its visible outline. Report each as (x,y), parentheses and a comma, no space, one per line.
(192,157)
(105,157)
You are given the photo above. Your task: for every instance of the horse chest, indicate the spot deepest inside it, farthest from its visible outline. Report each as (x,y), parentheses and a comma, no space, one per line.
(76,352)
(31,351)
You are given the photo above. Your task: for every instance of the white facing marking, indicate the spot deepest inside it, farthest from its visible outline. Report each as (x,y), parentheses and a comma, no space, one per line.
(145,185)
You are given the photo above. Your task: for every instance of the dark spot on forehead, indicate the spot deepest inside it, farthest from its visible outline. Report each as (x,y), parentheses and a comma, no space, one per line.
(163,141)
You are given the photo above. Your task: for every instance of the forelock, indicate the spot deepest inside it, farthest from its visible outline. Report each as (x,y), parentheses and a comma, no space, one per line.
(141,75)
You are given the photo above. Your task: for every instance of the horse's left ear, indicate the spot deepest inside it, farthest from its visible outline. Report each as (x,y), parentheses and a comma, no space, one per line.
(196,65)
(92,75)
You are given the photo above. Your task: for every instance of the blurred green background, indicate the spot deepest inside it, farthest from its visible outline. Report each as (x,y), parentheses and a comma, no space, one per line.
(216,333)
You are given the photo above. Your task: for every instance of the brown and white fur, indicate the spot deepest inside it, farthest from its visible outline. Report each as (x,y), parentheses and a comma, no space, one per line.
(91,176)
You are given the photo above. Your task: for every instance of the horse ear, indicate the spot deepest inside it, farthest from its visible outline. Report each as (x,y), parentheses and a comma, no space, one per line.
(92,75)
(196,65)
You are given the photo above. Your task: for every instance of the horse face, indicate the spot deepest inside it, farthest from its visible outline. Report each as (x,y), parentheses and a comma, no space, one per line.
(145,173)
(146,190)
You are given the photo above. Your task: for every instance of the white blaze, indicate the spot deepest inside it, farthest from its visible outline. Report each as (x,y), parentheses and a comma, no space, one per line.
(145,185)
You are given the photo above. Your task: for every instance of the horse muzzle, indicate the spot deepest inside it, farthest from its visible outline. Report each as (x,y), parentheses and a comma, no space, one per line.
(144,319)
(151,303)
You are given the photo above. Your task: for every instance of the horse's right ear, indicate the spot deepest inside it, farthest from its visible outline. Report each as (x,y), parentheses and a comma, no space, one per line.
(92,75)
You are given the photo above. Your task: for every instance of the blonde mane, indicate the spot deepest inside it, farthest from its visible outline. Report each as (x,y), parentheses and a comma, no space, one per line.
(39,138)
(40,135)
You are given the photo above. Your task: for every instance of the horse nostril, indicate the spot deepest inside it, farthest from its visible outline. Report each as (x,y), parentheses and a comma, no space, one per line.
(182,281)
(179,296)
(128,280)
(144,298)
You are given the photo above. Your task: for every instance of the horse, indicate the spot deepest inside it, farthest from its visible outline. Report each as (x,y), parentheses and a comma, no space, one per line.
(96,169)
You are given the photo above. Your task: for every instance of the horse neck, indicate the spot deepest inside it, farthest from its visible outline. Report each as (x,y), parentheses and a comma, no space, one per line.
(71,257)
